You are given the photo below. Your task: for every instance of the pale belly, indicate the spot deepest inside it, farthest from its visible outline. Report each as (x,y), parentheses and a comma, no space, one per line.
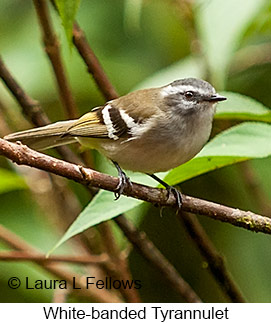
(152,156)
(157,159)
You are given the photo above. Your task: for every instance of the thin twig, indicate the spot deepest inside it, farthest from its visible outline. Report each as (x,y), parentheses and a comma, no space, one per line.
(23,155)
(42,259)
(93,64)
(52,49)
(216,262)
(14,241)
(120,266)
(154,256)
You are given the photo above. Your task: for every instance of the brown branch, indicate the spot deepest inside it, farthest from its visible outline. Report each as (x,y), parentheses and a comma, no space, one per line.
(52,49)
(216,263)
(93,64)
(23,155)
(14,241)
(120,266)
(41,258)
(154,257)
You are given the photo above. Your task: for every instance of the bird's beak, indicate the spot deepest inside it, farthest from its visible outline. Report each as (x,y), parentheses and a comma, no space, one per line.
(216,97)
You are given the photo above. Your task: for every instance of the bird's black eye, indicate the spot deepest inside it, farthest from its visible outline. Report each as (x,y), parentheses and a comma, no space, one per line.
(189,94)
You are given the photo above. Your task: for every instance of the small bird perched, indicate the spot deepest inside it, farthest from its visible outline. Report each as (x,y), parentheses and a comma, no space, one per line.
(151,130)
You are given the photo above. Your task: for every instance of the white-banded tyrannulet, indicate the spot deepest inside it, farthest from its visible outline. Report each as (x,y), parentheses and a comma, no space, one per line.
(149,131)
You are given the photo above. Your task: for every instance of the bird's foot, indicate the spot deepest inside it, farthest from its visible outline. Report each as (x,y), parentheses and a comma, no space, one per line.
(170,189)
(123,181)
(177,194)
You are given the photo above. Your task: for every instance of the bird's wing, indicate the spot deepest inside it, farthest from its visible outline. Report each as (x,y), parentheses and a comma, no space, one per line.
(101,122)
(118,118)
(89,125)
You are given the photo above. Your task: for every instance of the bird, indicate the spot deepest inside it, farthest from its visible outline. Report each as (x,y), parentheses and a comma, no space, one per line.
(149,131)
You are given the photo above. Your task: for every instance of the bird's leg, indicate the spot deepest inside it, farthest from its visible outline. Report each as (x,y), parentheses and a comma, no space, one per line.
(170,189)
(123,180)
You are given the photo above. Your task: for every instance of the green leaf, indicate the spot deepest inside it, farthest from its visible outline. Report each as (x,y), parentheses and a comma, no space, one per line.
(242,142)
(100,209)
(187,67)
(10,181)
(103,208)
(67,10)
(221,25)
(241,107)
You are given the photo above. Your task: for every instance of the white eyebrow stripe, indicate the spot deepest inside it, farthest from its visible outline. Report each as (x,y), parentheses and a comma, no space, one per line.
(108,123)
(168,90)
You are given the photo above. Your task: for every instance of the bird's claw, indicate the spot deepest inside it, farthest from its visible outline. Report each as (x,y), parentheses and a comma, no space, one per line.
(177,194)
(123,181)
(170,189)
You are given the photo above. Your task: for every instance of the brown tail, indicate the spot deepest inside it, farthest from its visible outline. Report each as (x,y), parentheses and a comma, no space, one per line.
(44,137)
